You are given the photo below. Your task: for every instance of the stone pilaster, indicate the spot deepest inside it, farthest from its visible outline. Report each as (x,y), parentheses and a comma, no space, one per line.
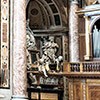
(73,32)
(71,88)
(4,41)
(19,51)
(87,38)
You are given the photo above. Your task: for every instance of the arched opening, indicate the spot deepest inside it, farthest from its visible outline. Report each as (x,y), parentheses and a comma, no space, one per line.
(43,14)
(96,39)
(46,20)
(46,25)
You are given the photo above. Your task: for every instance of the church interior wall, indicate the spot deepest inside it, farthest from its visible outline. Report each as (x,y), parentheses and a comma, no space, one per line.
(62,38)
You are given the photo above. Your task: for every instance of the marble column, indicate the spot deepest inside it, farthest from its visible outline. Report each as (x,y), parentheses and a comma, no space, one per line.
(19,51)
(73,32)
(87,38)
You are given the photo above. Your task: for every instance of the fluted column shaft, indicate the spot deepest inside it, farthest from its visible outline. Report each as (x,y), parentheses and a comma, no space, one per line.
(73,32)
(19,51)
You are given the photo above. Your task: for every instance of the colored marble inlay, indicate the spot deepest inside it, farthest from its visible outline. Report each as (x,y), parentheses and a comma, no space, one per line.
(4,32)
(4,51)
(4,12)
(5,1)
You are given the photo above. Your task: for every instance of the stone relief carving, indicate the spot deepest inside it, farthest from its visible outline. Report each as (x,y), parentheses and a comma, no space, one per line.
(30,45)
(49,48)
(30,40)
(49,57)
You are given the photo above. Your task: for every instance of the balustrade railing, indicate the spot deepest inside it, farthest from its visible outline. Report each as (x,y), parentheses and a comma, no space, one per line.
(82,67)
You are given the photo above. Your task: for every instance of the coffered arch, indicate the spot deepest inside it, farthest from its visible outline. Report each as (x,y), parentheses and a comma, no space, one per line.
(49,13)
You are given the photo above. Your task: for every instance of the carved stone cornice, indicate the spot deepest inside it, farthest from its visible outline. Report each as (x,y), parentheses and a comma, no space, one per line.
(93,75)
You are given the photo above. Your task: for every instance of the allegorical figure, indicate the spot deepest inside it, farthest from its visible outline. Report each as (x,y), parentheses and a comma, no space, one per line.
(30,40)
(49,56)
(50,49)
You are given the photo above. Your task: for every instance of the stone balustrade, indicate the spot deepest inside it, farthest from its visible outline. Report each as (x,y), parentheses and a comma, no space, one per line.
(82,67)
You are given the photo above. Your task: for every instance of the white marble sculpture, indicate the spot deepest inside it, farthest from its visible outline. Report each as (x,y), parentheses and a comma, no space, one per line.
(49,49)
(49,56)
(30,40)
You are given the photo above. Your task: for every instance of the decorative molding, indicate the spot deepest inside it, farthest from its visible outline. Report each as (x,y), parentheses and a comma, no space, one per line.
(19,97)
(94,92)
(84,90)
(2,96)
(71,92)
(5,39)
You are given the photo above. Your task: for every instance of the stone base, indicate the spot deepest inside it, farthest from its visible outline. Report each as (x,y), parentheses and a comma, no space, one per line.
(86,57)
(18,97)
